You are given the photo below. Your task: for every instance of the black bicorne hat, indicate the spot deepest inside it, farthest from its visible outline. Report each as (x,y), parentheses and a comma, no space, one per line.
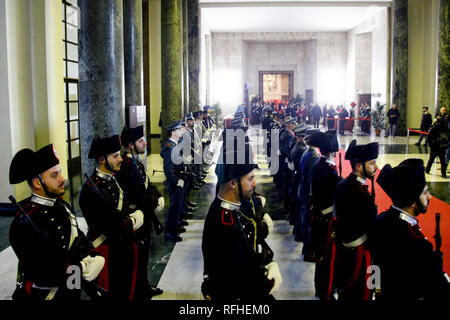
(334,144)
(319,140)
(362,153)
(27,164)
(130,135)
(242,163)
(104,146)
(403,183)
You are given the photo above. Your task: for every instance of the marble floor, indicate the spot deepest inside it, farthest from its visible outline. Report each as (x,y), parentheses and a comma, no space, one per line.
(177,268)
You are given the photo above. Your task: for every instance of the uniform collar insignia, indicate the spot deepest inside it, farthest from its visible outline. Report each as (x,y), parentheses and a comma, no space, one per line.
(331,161)
(103,175)
(229,205)
(43,200)
(360,180)
(315,149)
(405,216)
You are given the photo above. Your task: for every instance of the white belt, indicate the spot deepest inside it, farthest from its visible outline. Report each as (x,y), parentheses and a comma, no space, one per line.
(356,243)
(97,242)
(51,294)
(327,210)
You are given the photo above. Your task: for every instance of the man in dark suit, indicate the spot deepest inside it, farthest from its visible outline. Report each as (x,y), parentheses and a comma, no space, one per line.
(393,115)
(425,125)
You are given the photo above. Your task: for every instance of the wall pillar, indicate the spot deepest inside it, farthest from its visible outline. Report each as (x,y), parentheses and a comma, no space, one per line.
(132,44)
(444,56)
(101,73)
(194,55)
(171,63)
(400,62)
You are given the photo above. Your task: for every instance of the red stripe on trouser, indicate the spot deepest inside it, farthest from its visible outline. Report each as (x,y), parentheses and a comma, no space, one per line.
(357,270)
(28,285)
(135,269)
(330,243)
(368,263)
(329,239)
(333,256)
(103,277)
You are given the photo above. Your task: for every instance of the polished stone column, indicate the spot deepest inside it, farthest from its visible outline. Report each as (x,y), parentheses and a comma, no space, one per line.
(101,73)
(171,63)
(400,61)
(185,59)
(444,55)
(194,54)
(132,44)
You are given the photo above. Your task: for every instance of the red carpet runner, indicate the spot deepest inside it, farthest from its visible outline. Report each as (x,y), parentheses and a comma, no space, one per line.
(426,221)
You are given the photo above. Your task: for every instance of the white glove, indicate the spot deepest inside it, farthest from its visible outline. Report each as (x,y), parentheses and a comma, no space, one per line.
(268,220)
(286,160)
(273,272)
(160,204)
(180,183)
(91,267)
(291,166)
(138,219)
(263,201)
(278,152)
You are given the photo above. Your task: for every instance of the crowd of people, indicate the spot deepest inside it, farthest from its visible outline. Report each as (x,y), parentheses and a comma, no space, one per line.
(340,117)
(334,217)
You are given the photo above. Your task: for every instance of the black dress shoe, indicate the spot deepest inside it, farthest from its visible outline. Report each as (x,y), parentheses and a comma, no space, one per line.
(184,223)
(173,237)
(154,291)
(181,229)
(416,144)
(189,209)
(187,215)
(191,204)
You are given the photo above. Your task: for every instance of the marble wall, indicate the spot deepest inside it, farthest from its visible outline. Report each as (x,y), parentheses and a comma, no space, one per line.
(371,35)
(331,68)
(422,58)
(310,65)
(317,59)
(277,56)
(363,63)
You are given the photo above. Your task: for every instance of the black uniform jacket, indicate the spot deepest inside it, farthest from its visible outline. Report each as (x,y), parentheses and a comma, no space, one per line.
(355,210)
(309,158)
(324,181)
(232,265)
(136,184)
(44,254)
(106,212)
(171,170)
(410,269)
